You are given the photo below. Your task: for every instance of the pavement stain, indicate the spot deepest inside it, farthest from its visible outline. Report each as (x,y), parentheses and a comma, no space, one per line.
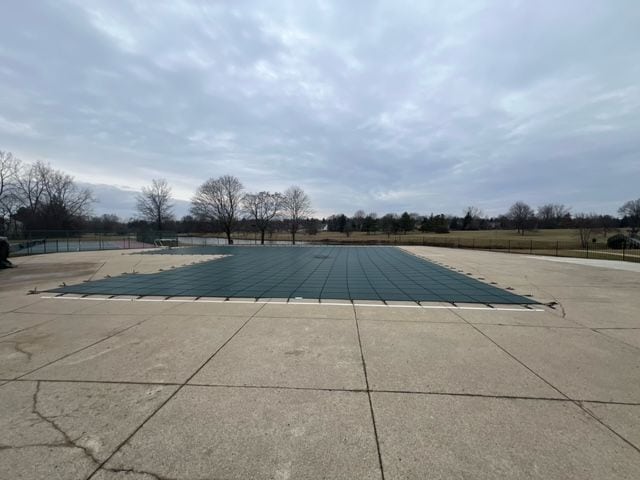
(18,347)
(30,274)
(296,352)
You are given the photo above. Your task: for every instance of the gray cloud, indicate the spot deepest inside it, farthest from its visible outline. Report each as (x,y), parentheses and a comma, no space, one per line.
(121,201)
(385,106)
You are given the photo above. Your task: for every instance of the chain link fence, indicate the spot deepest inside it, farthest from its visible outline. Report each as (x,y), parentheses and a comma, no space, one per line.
(40,242)
(52,241)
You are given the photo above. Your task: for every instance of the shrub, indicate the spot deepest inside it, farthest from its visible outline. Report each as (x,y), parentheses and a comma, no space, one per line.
(617,241)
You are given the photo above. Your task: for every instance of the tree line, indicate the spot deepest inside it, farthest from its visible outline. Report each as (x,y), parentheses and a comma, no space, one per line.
(39,197)
(520,217)
(220,201)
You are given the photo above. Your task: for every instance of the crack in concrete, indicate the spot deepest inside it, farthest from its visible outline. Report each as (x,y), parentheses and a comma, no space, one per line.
(154,475)
(320,389)
(35,445)
(68,441)
(137,472)
(101,466)
(559,303)
(555,299)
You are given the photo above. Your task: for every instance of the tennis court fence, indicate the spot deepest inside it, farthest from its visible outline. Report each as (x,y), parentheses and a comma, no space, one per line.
(39,242)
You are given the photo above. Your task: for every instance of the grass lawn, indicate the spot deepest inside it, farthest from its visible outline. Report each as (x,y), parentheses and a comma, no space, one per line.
(565,236)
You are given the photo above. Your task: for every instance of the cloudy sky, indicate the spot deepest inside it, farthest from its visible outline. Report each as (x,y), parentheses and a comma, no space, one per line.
(385,106)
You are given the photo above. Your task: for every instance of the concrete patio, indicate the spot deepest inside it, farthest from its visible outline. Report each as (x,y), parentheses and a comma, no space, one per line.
(189,389)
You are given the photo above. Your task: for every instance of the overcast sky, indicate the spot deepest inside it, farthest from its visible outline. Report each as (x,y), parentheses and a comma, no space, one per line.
(385,106)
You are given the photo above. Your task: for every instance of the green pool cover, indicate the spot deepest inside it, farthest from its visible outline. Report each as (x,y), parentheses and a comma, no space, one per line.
(332,272)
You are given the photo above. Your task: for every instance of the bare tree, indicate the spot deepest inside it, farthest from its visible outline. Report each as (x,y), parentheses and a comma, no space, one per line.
(154,202)
(30,185)
(520,214)
(63,194)
(262,207)
(8,169)
(8,200)
(586,224)
(51,198)
(41,196)
(358,220)
(296,206)
(546,216)
(607,223)
(560,211)
(631,210)
(9,206)
(551,215)
(219,199)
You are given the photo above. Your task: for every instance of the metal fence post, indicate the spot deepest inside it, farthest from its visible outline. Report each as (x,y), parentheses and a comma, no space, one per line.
(509,246)
(587,249)
(531,247)
(557,247)
(623,245)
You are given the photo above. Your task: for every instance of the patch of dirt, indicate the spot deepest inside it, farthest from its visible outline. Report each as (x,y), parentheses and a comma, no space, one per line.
(45,275)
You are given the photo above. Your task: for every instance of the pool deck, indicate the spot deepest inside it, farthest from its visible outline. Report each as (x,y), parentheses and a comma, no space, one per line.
(188,389)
